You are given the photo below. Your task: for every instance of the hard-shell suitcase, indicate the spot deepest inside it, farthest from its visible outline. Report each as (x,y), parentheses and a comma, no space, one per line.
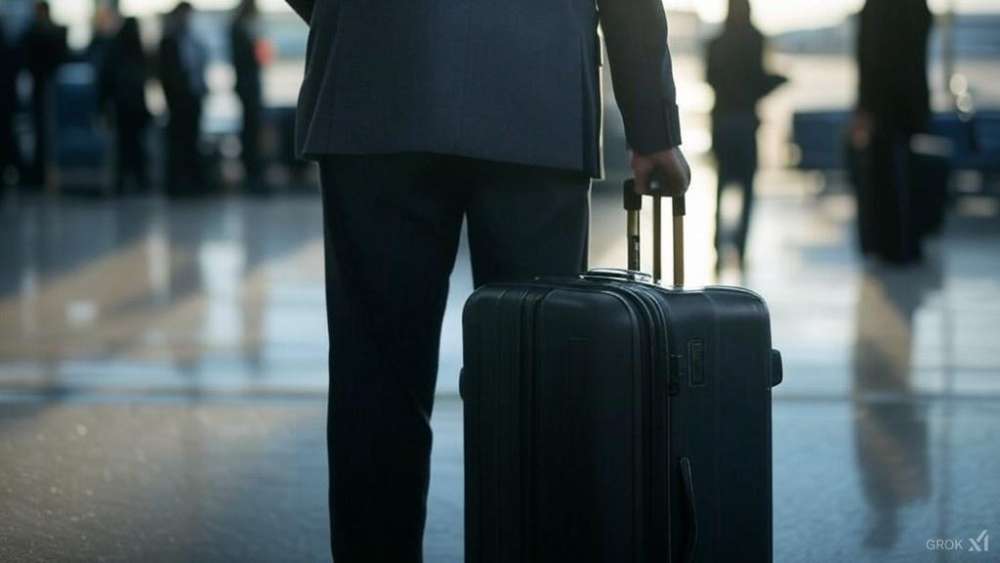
(610,419)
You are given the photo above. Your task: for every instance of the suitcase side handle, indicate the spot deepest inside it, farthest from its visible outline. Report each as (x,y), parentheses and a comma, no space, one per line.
(633,207)
(690,512)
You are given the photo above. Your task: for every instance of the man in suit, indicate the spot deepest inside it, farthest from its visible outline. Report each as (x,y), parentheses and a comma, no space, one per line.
(243,42)
(893,105)
(45,48)
(183,61)
(10,153)
(421,113)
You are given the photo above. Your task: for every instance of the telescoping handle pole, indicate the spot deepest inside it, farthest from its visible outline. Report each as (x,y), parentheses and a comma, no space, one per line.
(633,207)
(680,209)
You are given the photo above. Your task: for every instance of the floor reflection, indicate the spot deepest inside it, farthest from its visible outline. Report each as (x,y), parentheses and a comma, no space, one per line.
(191,335)
(146,292)
(890,428)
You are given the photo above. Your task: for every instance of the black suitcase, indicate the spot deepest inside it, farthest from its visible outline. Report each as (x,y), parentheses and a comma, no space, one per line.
(610,419)
(902,194)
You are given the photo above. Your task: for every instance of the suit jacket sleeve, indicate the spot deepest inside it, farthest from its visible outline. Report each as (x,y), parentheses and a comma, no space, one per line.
(303,8)
(868,74)
(635,32)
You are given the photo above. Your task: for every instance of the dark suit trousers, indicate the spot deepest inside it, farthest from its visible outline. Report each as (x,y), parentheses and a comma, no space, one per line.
(392,227)
(185,172)
(734,141)
(253,110)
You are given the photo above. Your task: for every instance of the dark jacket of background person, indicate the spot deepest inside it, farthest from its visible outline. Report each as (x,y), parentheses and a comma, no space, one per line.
(735,71)
(122,89)
(892,63)
(44,47)
(183,60)
(9,68)
(104,27)
(893,104)
(243,41)
(378,81)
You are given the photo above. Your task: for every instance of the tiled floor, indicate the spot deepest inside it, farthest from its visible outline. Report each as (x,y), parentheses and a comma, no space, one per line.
(162,380)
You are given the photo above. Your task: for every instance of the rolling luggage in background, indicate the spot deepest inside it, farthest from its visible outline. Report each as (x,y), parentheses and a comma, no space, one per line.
(610,419)
(930,169)
(901,185)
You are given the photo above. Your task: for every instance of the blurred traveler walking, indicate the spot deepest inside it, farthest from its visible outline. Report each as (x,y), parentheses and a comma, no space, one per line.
(893,105)
(44,48)
(735,70)
(104,25)
(122,89)
(183,61)
(244,45)
(422,115)
(10,154)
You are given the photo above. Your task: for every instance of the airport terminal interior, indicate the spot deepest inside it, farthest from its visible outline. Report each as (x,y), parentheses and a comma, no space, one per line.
(163,360)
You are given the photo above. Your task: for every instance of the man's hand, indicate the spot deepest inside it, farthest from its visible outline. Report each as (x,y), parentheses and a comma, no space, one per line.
(861,130)
(667,168)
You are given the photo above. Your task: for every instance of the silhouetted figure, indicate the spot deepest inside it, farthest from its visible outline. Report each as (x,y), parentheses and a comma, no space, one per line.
(183,60)
(122,84)
(104,25)
(44,48)
(735,70)
(893,105)
(10,154)
(243,38)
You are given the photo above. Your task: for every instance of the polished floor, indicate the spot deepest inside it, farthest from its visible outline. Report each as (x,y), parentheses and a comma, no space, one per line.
(162,379)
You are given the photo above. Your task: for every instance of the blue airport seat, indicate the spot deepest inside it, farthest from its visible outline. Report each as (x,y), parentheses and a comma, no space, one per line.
(819,136)
(957,130)
(82,147)
(986,128)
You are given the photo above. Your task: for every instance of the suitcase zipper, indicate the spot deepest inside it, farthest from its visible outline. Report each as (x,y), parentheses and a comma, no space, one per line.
(659,467)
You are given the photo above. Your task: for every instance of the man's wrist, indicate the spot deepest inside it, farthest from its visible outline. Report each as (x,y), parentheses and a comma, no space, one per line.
(654,129)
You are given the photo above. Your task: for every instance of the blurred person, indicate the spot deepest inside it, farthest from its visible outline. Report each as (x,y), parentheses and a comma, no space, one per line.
(183,62)
(893,105)
(735,71)
(421,115)
(45,49)
(10,153)
(122,89)
(104,25)
(244,46)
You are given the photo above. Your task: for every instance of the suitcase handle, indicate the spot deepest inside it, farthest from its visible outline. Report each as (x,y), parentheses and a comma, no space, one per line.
(633,207)
(617,274)
(691,513)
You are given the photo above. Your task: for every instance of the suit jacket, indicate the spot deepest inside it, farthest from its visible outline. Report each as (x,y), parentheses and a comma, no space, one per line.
(45,48)
(513,81)
(243,47)
(9,67)
(892,63)
(733,66)
(182,77)
(121,82)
